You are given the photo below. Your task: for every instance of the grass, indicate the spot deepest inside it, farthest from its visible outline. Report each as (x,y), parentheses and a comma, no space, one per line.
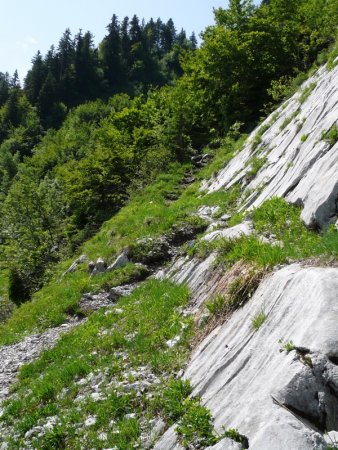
(148,213)
(288,346)
(331,135)
(114,344)
(216,305)
(293,241)
(288,120)
(306,92)
(258,320)
(256,164)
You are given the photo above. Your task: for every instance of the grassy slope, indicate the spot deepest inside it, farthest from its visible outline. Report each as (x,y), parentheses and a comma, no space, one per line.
(136,335)
(147,214)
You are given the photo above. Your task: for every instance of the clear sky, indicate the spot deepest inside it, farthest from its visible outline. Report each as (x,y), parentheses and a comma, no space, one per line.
(30,25)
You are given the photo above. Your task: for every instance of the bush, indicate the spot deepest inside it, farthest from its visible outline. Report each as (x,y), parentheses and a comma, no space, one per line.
(195,429)
(172,399)
(18,288)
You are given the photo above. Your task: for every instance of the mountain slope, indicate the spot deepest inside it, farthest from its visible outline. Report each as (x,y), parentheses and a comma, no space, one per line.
(278,400)
(235,280)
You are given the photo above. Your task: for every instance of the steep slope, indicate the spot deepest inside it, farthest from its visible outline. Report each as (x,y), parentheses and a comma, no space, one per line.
(260,327)
(282,398)
(292,153)
(279,396)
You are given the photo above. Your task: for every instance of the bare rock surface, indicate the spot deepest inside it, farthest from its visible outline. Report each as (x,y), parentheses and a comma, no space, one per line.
(277,385)
(297,162)
(226,444)
(243,229)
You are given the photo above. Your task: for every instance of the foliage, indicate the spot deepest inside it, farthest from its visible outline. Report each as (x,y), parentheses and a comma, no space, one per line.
(171,401)
(233,434)
(131,57)
(216,305)
(331,135)
(258,320)
(195,428)
(288,346)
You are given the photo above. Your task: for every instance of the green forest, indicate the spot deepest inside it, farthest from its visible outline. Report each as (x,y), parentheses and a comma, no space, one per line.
(91,126)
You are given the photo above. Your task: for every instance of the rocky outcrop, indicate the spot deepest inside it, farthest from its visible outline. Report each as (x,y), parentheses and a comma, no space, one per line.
(277,385)
(293,158)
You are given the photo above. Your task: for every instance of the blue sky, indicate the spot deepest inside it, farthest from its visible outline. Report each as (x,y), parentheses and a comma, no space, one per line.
(30,25)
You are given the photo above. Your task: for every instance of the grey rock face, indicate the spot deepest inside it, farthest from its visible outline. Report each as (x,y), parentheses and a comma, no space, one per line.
(226,444)
(73,267)
(121,261)
(242,229)
(280,400)
(298,163)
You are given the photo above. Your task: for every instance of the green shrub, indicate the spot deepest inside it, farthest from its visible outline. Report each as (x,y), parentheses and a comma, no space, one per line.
(258,320)
(331,135)
(195,428)
(172,399)
(233,434)
(306,92)
(216,305)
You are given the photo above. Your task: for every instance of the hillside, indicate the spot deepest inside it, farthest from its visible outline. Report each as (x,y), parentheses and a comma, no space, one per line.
(132,351)
(169,276)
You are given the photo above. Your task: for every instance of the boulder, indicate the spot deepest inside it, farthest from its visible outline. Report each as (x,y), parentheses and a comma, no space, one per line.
(73,266)
(99,266)
(121,261)
(242,229)
(152,251)
(121,291)
(226,444)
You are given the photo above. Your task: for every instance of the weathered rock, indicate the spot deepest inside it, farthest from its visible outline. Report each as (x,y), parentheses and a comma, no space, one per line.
(12,357)
(304,171)
(73,267)
(168,441)
(226,444)
(269,396)
(121,291)
(242,229)
(100,266)
(208,213)
(157,430)
(121,261)
(152,251)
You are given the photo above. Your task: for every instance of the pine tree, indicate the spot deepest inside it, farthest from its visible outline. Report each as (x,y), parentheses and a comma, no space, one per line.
(35,78)
(4,87)
(110,54)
